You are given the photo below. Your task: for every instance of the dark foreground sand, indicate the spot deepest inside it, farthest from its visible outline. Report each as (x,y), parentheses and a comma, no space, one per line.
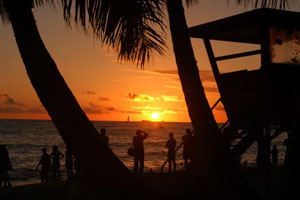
(180,185)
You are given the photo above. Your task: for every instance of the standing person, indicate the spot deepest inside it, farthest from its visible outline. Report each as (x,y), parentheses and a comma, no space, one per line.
(5,166)
(56,155)
(45,162)
(171,145)
(138,145)
(69,162)
(187,145)
(104,136)
(274,153)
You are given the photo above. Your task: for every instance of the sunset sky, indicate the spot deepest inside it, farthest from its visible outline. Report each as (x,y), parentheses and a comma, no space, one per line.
(105,88)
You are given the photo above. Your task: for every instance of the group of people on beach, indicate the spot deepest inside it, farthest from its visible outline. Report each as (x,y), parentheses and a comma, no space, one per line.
(51,163)
(138,150)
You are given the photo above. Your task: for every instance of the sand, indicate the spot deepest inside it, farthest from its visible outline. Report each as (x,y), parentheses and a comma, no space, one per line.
(179,185)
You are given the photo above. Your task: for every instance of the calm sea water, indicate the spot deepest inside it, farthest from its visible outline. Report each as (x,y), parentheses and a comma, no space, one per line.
(24,140)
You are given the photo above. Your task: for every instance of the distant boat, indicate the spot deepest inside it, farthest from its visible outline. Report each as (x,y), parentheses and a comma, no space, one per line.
(128,119)
(146,121)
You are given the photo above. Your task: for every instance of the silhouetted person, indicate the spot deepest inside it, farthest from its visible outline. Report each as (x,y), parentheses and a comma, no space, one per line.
(5,166)
(69,162)
(274,153)
(56,155)
(171,145)
(45,162)
(187,145)
(104,136)
(138,145)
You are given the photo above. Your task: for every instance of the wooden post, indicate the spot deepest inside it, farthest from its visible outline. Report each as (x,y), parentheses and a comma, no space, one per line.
(265,64)
(267,163)
(212,60)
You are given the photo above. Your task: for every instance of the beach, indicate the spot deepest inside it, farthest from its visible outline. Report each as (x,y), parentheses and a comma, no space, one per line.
(179,185)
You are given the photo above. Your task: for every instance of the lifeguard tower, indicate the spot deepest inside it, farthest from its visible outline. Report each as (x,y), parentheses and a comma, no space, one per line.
(260,104)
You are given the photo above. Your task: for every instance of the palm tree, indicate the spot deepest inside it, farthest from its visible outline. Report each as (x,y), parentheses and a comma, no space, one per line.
(221,165)
(118,26)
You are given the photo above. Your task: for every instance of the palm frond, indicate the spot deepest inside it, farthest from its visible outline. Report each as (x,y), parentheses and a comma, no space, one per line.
(127,26)
(281,4)
(3,13)
(191,2)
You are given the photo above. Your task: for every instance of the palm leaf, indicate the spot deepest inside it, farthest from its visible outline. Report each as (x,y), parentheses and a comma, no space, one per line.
(281,4)
(127,26)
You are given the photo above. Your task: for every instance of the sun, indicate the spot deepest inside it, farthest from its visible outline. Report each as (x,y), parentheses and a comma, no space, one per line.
(155,116)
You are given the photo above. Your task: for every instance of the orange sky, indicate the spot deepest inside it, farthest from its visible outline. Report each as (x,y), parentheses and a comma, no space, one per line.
(105,88)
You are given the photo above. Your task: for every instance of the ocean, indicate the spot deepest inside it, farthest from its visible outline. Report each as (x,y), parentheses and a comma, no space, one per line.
(24,140)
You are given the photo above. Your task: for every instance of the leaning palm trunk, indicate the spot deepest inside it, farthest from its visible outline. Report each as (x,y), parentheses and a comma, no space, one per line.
(78,133)
(227,179)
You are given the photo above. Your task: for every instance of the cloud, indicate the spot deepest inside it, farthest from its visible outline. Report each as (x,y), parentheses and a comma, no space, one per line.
(142,97)
(89,92)
(172,72)
(6,99)
(205,75)
(103,99)
(111,108)
(146,108)
(132,95)
(170,111)
(15,109)
(127,111)
(36,110)
(94,109)
(11,110)
(171,98)
(173,87)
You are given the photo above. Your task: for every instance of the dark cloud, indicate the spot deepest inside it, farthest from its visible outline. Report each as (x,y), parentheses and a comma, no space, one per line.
(103,99)
(112,109)
(15,109)
(11,110)
(94,109)
(89,92)
(141,97)
(132,95)
(6,99)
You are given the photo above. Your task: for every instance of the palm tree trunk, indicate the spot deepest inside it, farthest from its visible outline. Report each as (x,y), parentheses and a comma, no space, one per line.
(78,133)
(227,179)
